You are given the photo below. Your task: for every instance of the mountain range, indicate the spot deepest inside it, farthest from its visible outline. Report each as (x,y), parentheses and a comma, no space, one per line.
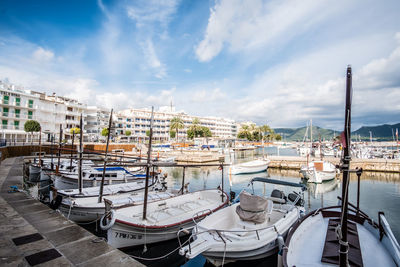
(383,132)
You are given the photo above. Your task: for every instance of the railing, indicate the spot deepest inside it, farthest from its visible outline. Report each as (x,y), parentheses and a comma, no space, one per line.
(4,126)
(5,114)
(5,102)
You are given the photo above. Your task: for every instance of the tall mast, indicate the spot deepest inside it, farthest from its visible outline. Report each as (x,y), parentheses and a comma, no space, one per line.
(146,189)
(344,247)
(105,157)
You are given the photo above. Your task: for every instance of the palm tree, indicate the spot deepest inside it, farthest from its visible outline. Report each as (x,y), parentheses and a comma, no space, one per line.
(195,126)
(176,123)
(244,132)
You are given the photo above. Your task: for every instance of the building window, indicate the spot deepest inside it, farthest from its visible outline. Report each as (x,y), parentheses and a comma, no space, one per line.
(5,99)
(30,103)
(4,124)
(17,112)
(5,112)
(18,101)
(16,125)
(30,115)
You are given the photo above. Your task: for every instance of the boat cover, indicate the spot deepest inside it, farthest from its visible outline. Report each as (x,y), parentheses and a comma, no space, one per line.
(252,208)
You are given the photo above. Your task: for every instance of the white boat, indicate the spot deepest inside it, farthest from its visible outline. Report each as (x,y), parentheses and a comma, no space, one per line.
(126,226)
(342,235)
(247,230)
(318,171)
(254,166)
(88,209)
(91,177)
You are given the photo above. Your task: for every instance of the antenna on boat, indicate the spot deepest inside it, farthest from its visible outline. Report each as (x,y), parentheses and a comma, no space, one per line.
(341,231)
(105,158)
(146,188)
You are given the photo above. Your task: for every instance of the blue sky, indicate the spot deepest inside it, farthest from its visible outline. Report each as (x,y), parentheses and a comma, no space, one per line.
(280,63)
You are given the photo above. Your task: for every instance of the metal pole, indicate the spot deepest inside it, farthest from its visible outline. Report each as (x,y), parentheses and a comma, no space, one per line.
(183,180)
(40,146)
(343,252)
(146,189)
(222,178)
(72,150)
(59,149)
(80,182)
(105,158)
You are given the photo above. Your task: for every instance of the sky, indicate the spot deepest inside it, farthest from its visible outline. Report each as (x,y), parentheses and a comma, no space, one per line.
(279,63)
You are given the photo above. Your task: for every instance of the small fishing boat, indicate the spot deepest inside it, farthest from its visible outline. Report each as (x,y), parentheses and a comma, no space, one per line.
(254,166)
(318,171)
(342,235)
(165,218)
(91,177)
(247,230)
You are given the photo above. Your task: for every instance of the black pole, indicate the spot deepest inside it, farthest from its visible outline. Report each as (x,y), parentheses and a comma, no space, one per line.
(80,182)
(358,172)
(222,178)
(343,252)
(105,158)
(72,149)
(183,180)
(146,189)
(52,152)
(59,149)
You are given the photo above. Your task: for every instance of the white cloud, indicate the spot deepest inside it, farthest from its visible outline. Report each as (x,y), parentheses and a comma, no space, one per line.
(42,54)
(204,96)
(152,11)
(152,60)
(246,25)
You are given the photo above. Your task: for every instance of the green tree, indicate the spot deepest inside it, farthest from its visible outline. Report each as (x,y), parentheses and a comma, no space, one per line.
(278,137)
(172,133)
(104,132)
(244,132)
(148,133)
(176,123)
(31,126)
(128,133)
(75,130)
(205,132)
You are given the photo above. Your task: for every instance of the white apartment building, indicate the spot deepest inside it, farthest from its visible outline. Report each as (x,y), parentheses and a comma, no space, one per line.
(138,122)
(52,112)
(96,120)
(18,105)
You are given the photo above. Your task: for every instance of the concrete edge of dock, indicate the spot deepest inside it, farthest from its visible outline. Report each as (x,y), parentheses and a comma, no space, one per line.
(32,234)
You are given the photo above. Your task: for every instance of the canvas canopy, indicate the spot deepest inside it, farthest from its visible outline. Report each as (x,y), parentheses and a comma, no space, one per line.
(252,208)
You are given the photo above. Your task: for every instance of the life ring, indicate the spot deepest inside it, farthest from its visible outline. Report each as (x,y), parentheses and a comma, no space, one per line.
(109,219)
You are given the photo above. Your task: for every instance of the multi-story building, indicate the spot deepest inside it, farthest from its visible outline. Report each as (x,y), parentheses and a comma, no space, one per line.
(52,112)
(16,107)
(96,120)
(137,121)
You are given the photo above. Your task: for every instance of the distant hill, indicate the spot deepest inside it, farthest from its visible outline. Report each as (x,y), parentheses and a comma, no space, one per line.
(297,134)
(379,132)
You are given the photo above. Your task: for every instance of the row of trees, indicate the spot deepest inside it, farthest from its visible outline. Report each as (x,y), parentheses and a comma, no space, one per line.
(250,132)
(253,132)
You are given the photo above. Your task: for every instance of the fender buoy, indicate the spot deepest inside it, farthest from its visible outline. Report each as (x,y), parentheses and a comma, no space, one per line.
(107,220)
(55,203)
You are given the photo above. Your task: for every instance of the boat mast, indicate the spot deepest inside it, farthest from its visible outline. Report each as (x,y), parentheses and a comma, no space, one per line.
(344,246)
(146,188)
(105,158)
(80,179)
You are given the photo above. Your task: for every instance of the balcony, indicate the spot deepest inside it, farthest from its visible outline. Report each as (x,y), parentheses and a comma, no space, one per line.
(5,114)
(5,102)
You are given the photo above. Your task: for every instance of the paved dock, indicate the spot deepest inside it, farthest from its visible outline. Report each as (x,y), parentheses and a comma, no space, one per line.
(32,234)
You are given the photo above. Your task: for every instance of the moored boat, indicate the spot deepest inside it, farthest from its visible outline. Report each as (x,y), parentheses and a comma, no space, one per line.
(254,166)
(342,235)
(318,171)
(165,218)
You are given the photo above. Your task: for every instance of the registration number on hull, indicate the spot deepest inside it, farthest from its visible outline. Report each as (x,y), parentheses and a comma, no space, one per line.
(128,236)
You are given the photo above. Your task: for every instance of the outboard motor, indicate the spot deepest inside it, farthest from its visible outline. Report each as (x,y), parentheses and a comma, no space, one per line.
(293,196)
(278,194)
